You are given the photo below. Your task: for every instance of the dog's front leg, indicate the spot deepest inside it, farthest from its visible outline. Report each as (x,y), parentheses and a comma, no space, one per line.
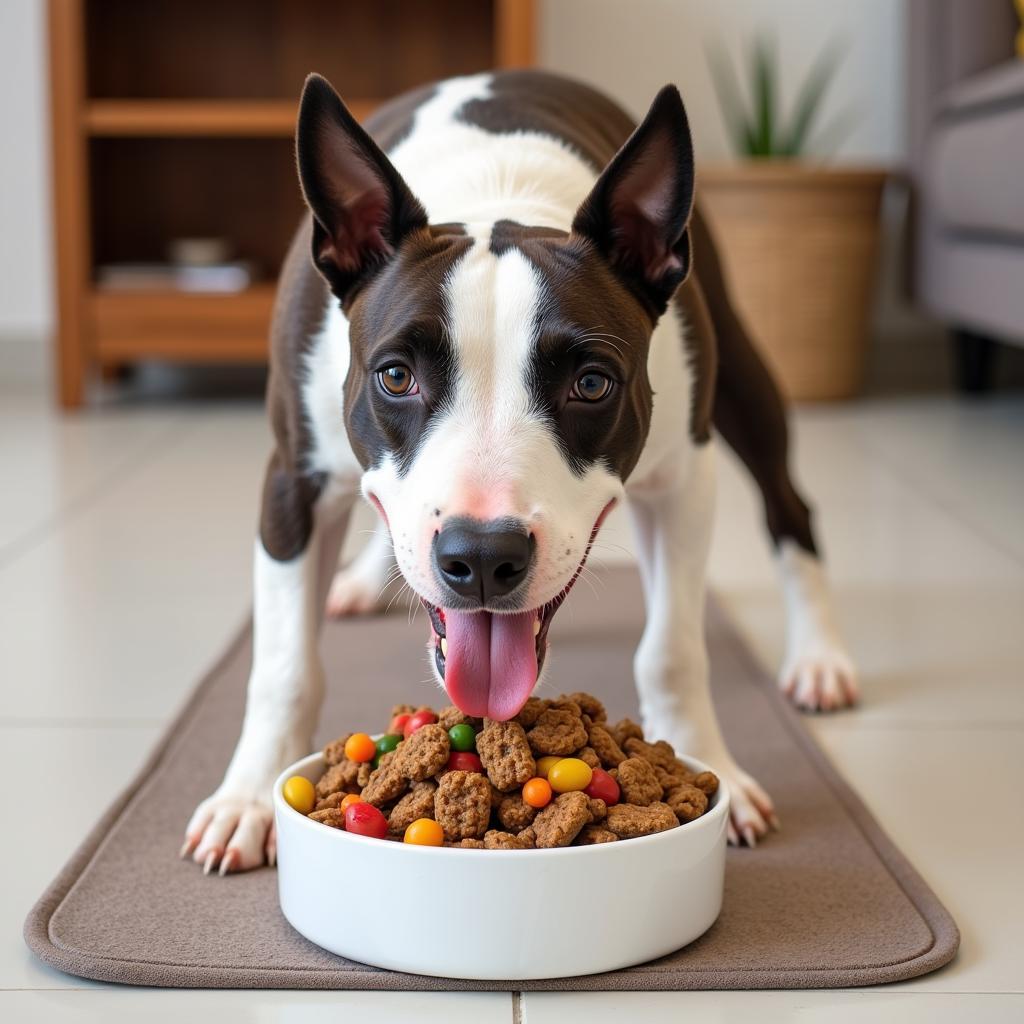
(233,826)
(673,522)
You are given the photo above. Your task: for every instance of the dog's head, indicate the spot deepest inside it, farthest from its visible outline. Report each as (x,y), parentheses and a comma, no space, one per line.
(498,394)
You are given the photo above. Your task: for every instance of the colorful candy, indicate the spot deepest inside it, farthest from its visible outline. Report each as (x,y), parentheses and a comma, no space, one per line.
(359,748)
(388,742)
(424,832)
(537,793)
(348,800)
(398,724)
(417,721)
(569,774)
(544,765)
(464,761)
(364,819)
(462,737)
(299,793)
(603,787)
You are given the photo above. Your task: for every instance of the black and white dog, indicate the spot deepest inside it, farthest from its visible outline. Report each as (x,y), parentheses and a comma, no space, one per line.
(495,332)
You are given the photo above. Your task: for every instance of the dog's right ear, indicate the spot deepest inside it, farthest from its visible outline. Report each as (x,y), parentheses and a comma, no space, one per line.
(362,207)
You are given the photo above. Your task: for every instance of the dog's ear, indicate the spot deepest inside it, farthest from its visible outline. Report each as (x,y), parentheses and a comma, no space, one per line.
(638,211)
(362,207)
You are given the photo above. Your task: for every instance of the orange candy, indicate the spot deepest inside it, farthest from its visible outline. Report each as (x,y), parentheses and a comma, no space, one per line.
(424,832)
(349,799)
(359,748)
(537,793)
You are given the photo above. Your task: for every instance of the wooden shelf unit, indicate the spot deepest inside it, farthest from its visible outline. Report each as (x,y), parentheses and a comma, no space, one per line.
(176,120)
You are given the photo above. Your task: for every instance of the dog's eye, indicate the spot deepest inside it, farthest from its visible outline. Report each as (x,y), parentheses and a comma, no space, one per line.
(591,387)
(398,381)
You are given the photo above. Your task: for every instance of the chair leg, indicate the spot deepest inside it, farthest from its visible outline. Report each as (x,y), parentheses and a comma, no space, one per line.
(974,358)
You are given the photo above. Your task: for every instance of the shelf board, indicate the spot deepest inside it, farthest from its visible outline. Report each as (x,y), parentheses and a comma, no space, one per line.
(157,118)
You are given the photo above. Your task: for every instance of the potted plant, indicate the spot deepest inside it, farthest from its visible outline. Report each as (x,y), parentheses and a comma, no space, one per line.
(798,239)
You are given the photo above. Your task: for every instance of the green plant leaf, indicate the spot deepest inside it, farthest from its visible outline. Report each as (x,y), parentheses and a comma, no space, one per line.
(764,75)
(809,99)
(727,90)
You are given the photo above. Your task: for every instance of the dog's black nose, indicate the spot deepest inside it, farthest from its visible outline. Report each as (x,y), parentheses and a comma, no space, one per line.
(482,560)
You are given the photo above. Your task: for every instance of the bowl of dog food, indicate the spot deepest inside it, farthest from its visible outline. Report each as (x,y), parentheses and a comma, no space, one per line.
(551,845)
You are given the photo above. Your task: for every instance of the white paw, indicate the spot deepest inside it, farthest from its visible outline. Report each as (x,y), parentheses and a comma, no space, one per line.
(356,593)
(231,833)
(820,680)
(751,810)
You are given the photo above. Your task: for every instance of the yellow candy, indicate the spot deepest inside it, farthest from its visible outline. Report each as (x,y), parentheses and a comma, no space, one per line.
(544,765)
(568,774)
(300,794)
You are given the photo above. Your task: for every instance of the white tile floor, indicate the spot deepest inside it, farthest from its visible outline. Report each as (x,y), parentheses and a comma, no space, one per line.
(124,545)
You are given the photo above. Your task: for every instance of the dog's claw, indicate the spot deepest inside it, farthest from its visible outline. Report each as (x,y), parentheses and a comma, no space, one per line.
(211,861)
(186,848)
(228,863)
(750,836)
(773,820)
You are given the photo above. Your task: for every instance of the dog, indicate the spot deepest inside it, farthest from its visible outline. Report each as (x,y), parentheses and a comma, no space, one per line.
(503,317)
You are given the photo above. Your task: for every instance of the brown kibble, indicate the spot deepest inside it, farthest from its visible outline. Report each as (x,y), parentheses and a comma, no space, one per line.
(495,839)
(638,782)
(660,753)
(598,809)
(560,822)
(531,711)
(588,704)
(676,777)
(707,782)
(333,800)
(589,756)
(462,805)
(401,709)
(386,781)
(558,731)
(364,773)
(591,835)
(628,821)
(505,753)
(625,729)
(423,754)
(496,796)
(452,716)
(339,778)
(605,746)
(334,752)
(467,844)
(417,803)
(332,816)
(687,802)
(514,813)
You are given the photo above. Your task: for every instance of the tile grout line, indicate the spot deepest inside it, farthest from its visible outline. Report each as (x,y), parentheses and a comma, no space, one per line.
(517,1008)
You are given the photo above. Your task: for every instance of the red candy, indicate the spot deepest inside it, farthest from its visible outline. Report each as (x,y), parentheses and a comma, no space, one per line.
(603,787)
(464,761)
(417,721)
(364,819)
(398,723)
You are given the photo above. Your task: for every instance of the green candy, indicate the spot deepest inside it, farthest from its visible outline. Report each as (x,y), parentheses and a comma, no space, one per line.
(462,737)
(388,742)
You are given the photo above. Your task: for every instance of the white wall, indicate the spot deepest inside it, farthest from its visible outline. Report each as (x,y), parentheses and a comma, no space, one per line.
(630,48)
(25,246)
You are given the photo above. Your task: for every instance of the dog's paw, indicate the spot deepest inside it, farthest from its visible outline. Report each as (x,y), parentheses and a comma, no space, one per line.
(231,833)
(751,810)
(354,592)
(820,680)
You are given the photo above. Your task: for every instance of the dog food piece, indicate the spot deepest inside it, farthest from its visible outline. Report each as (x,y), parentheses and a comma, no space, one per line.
(462,805)
(359,748)
(591,835)
(417,803)
(637,782)
(334,752)
(687,802)
(467,844)
(588,704)
(569,774)
(558,731)
(402,709)
(363,819)
(670,779)
(515,814)
(334,800)
(451,716)
(603,787)
(498,840)
(598,809)
(300,793)
(386,782)
(424,832)
(628,821)
(660,753)
(531,711)
(340,777)
(332,816)
(462,736)
(625,729)
(707,782)
(496,796)
(364,773)
(604,745)
(424,753)
(505,753)
(537,793)
(589,756)
(560,822)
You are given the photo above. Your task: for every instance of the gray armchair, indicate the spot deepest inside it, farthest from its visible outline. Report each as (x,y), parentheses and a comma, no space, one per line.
(966,123)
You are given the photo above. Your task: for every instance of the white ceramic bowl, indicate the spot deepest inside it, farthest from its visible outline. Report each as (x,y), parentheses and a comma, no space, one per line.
(499,914)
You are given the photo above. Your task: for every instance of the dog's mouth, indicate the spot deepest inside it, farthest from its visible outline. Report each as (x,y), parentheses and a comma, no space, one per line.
(491,661)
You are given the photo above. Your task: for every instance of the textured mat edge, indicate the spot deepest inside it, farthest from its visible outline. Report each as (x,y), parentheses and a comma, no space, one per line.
(945,934)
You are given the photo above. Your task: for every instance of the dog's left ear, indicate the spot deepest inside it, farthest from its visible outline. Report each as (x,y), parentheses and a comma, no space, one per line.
(362,207)
(637,213)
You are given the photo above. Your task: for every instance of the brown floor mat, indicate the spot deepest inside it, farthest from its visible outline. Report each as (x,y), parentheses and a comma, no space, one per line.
(827,902)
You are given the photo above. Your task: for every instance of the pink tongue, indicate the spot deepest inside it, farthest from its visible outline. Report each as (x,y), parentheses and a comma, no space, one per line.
(491,665)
